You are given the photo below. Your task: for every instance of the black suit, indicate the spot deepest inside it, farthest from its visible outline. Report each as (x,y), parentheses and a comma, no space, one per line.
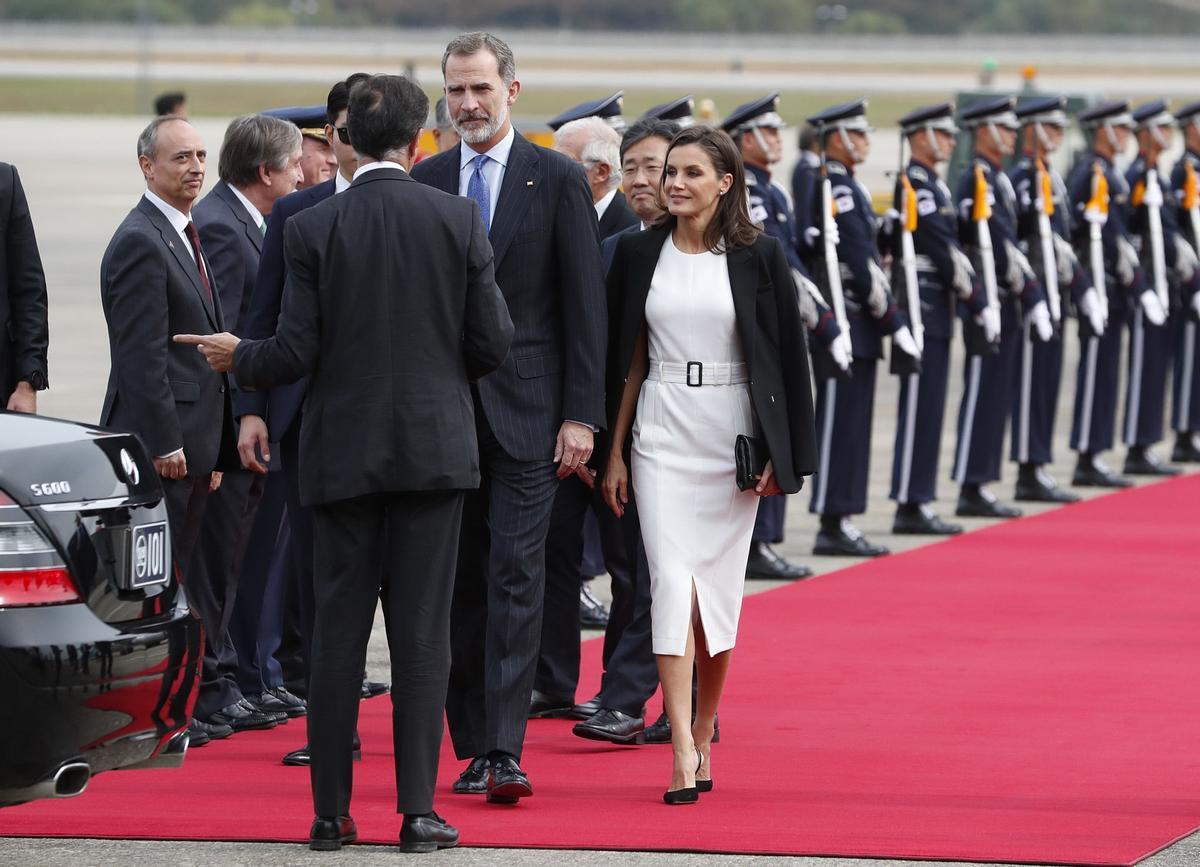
(150,288)
(24,334)
(232,243)
(387,447)
(617,217)
(548,265)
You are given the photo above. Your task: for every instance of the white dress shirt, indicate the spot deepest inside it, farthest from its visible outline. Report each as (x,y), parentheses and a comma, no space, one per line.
(378,164)
(493,169)
(340,184)
(250,209)
(602,205)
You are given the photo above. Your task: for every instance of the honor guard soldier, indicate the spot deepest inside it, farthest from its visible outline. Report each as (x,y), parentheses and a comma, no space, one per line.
(987,214)
(756,129)
(1185,403)
(1156,235)
(1043,226)
(681,111)
(1100,227)
(806,176)
(932,275)
(607,109)
(847,267)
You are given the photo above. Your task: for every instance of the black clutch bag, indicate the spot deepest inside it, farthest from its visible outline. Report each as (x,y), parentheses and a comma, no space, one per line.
(750,457)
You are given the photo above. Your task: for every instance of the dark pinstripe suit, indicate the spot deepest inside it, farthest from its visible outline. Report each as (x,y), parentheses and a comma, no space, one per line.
(547,256)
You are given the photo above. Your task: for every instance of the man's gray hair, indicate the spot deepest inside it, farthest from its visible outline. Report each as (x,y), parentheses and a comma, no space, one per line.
(255,140)
(472,43)
(147,143)
(600,144)
(441,115)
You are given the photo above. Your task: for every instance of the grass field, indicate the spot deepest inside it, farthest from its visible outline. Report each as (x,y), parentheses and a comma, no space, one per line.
(227,99)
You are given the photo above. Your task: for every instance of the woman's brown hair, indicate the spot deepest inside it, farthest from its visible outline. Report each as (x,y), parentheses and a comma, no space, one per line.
(731,226)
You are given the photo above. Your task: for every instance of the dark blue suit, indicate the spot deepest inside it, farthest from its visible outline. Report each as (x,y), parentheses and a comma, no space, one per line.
(1185,397)
(989,372)
(942,282)
(277,572)
(1039,368)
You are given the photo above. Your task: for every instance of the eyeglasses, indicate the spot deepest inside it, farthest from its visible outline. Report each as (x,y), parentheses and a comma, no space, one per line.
(343,134)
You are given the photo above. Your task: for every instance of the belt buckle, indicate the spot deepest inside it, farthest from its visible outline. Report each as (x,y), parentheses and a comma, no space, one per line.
(699,374)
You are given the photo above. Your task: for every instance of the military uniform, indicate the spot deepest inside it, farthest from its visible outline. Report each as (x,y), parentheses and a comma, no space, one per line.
(1185,398)
(944,278)
(1039,370)
(608,109)
(845,405)
(681,111)
(991,365)
(1095,409)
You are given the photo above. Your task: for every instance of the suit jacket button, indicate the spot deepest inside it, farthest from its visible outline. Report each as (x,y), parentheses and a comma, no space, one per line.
(772,398)
(222,390)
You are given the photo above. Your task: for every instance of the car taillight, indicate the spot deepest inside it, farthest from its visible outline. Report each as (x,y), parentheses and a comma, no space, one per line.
(31,572)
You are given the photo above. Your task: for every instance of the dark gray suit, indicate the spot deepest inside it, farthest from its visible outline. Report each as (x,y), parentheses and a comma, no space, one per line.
(387,446)
(24,334)
(232,244)
(165,392)
(548,265)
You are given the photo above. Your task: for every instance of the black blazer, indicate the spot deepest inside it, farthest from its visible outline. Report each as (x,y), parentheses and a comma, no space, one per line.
(24,333)
(768,321)
(279,406)
(392,308)
(547,249)
(617,217)
(163,391)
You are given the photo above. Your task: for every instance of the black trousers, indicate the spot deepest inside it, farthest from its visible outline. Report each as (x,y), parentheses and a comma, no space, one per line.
(228,518)
(558,657)
(983,412)
(414,536)
(1035,398)
(1095,409)
(769,523)
(295,611)
(919,426)
(1185,383)
(1150,351)
(186,500)
(496,625)
(843,414)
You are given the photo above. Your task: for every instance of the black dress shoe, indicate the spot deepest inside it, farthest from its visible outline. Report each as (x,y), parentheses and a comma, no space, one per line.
(508,783)
(373,688)
(268,706)
(840,538)
(240,719)
(917,519)
(294,706)
(1034,486)
(542,706)
(587,710)
(659,732)
(303,758)
(427,833)
(612,726)
(474,780)
(328,834)
(766,564)
(1091,472)
(1141,462)
(200,733)
(592,613)
(1186,451)
(975,502)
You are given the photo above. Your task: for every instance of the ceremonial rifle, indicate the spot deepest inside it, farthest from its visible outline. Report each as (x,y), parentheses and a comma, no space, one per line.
(1097,207)
(1045,207)
(1158,258)
(981,212)
(908,257)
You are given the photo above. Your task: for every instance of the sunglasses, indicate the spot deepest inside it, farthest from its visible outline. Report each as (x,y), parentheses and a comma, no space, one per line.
(343,134)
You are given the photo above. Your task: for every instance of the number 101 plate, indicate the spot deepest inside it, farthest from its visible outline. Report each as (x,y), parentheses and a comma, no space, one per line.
(150,555)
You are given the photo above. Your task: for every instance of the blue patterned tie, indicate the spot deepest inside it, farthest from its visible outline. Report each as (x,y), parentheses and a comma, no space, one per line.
(477,190)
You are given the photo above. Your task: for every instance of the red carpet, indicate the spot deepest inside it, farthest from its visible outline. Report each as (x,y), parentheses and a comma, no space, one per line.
(1024,693)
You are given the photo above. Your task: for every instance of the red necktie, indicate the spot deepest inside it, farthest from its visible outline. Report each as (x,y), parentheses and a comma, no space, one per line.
(194,237)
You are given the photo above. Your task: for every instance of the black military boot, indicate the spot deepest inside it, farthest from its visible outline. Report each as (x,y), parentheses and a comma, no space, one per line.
(1035,486)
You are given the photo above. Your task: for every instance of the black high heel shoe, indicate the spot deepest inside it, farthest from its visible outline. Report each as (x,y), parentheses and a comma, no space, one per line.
(690,795)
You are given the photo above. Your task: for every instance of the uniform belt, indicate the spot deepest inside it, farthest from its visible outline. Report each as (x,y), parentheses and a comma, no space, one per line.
(698,373)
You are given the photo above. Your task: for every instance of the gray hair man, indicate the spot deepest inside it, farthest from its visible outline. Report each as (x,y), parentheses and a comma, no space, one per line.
(596,146)
(444,134)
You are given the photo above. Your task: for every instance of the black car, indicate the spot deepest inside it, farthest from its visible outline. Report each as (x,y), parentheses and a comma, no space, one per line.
(99,653)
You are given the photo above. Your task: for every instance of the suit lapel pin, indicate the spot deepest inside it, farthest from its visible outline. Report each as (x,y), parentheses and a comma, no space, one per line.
(171,244)
(529,183)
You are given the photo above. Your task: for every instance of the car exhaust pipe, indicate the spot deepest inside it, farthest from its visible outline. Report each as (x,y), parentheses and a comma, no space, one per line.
(71,779)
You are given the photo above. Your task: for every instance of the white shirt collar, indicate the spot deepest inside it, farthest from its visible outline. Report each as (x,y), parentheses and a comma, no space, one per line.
(602,205)
(177,218)
(340,184)
(381,164)
(253,211)
(499,152)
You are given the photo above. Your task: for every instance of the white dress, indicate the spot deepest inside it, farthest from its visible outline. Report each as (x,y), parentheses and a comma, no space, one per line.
(696,524)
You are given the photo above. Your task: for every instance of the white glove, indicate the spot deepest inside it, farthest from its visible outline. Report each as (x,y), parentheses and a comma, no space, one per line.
(1094,215)
(1019,269)
(1089,306)
(904,340)
(1127,261)
(878,300)
(989,318)
(1153,308)
(1064,256)
(963,273)
(1040,317)
(1196,303)
(839,349)
(813,234)
(1154,196)
(1185,260)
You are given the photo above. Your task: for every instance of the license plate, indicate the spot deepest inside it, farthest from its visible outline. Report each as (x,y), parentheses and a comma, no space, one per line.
(150,555)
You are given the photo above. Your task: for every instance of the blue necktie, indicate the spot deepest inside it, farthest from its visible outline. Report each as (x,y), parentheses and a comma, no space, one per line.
(477,190)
